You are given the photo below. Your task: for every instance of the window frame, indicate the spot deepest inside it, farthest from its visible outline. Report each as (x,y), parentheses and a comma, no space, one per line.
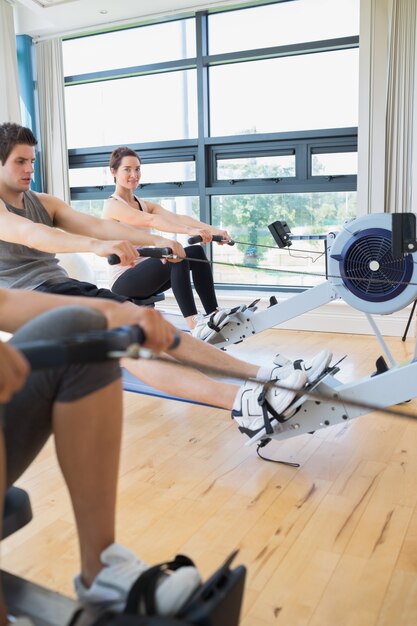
(204,149)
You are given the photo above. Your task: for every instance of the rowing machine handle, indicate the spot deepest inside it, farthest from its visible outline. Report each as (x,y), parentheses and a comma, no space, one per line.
(91,347)
(156,253)
(218,238)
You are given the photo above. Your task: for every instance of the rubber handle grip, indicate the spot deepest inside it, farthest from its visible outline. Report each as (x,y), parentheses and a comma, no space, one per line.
(198,239)
(156,253)
(93,347)
(83,348)
(113,259)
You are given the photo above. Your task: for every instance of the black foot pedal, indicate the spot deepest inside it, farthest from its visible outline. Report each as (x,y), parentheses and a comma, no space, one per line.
(218,601)
(381,366)
(272,301)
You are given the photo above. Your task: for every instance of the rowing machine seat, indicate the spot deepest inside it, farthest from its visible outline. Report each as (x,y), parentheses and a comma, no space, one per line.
(17,511)
(150,301)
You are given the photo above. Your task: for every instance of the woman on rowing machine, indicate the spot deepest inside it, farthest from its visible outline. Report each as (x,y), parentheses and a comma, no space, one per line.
(149,276)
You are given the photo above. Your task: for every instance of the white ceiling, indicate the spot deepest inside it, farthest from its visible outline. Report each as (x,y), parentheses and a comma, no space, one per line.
(45,18)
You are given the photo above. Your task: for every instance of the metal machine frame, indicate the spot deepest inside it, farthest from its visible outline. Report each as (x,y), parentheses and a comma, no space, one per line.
(385,281)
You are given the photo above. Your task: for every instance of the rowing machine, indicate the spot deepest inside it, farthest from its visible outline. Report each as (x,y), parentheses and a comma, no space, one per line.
(373,268)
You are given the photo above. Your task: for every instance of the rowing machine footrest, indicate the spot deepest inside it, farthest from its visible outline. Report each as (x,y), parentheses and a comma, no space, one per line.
(381,366)
(218,601)
(215,603)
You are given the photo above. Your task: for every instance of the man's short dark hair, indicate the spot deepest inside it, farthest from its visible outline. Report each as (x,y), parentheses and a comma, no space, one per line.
(12,135)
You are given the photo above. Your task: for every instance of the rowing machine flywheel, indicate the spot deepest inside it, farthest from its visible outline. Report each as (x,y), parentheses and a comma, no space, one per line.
(362,268)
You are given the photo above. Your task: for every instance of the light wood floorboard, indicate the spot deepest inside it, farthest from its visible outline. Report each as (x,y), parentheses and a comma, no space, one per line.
(332,542)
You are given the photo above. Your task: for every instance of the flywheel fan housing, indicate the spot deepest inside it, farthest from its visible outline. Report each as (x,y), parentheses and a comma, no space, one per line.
(363,270)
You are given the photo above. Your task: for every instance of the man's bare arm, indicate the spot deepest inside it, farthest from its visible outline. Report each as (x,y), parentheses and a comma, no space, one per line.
(16,309)
(79,223)
(20,230)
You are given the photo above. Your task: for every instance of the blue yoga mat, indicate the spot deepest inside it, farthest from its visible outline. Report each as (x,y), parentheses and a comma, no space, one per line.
(176,320)
(131,383)
(135,385)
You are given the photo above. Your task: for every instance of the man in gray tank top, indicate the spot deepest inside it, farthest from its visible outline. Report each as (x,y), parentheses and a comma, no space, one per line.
(27,252)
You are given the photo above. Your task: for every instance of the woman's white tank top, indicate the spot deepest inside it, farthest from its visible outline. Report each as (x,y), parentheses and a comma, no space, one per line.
(115,271)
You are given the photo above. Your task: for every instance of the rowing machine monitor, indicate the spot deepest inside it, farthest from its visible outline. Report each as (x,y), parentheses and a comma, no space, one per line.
(281,233)
(403,234)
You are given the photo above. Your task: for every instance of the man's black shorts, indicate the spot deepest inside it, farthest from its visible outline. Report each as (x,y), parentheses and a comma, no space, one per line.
(73,287)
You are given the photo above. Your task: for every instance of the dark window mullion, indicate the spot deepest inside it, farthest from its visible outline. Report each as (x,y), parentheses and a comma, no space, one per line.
(129,72)
(202,169)
(284,185)
(151,190)
(288,136)
(258,54)
(302,158)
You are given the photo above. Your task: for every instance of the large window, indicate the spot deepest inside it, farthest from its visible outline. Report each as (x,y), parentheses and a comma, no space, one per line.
(130,47)
(238,125)
(248,216)
(304,92)
(123,111)
(283,23)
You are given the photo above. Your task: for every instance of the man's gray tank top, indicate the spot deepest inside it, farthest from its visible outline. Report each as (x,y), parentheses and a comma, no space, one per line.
(22,267)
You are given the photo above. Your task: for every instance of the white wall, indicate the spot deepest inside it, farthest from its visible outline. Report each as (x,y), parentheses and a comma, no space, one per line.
(74,16)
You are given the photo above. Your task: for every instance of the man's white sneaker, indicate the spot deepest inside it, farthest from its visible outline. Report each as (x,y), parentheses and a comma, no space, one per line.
(257,406)
(122,568)
(207,325)
(313,367)
(280,360)
(317,365)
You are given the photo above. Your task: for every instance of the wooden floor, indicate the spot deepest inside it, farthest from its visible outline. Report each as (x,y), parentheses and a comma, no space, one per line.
(332,543)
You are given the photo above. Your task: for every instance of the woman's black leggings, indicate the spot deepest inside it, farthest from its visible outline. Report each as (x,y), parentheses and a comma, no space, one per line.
(152,276)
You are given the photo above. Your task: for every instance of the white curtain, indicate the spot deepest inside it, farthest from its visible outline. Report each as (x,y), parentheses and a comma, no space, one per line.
(373,60)
(401,105)
(9,92)
(54,155)
(387,172)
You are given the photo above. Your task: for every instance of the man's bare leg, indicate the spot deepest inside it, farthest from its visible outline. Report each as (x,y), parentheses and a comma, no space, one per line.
(87,438)
(184,382)
(190,383)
